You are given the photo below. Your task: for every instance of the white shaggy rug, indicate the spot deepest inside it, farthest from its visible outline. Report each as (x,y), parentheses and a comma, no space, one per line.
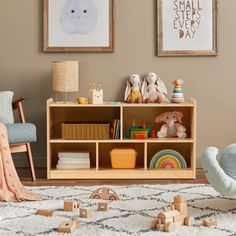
(131,215)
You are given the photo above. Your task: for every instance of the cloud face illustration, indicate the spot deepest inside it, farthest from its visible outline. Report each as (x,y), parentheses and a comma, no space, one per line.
(78,17)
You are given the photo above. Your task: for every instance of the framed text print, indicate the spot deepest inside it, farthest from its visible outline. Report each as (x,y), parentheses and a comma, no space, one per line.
(78,26)
(187,27)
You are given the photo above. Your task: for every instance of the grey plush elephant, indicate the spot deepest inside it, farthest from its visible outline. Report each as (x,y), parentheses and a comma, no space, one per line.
(221,174)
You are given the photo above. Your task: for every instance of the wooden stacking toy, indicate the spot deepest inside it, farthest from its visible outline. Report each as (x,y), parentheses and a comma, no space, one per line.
(170,218)
(178,95)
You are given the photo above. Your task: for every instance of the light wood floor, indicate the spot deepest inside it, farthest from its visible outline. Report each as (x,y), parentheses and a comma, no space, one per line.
(42,181)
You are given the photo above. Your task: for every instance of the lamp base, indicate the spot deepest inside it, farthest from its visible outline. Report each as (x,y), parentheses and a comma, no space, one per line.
(65,97)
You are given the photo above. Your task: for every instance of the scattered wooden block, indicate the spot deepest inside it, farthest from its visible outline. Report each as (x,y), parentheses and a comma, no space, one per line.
(79,205)
(208,222)
(68,226)
(70,205)
(170,227)
(48,213)
(102,206)
(181,207)
(189,220)
(160,227)
(84,213)
(179,199)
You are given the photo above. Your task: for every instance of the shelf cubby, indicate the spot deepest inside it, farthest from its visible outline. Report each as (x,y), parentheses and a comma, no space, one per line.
(104,158)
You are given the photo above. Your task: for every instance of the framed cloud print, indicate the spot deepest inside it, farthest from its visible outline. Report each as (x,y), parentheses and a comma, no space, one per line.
(78,26)
(187,27)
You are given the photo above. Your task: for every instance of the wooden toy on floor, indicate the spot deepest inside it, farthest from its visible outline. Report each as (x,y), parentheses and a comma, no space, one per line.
(176,215)
(84,213)
(42,212)
(68,226)
(208,222)
(178,95)
(102,206)
(105,194)
(71,205)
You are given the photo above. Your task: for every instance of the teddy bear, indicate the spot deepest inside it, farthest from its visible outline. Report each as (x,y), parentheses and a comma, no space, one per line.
(133,89)
(172,126)
(153,89)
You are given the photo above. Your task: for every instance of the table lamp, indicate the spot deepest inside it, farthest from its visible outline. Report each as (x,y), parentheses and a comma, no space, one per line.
(65,77)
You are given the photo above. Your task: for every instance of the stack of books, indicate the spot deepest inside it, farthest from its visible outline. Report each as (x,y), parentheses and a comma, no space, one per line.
(73,160)
(115,129)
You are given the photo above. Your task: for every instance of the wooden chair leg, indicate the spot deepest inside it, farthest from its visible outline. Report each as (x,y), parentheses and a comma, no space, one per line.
(30,159)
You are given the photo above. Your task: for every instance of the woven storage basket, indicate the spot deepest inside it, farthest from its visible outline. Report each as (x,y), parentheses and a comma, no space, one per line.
(85,131)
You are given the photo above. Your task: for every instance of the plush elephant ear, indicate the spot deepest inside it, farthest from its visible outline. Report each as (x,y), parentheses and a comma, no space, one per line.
(220,181)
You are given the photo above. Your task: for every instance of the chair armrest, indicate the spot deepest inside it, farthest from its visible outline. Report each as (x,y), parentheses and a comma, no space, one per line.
(15,104)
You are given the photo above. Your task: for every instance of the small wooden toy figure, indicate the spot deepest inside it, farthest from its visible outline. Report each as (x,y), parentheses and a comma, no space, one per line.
(133,89)
(178,95)
(105,194)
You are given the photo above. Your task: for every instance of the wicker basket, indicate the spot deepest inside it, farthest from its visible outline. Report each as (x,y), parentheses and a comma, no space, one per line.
(85,131)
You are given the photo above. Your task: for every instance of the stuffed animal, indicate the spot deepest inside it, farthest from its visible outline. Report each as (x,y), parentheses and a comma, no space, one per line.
(153,89)
(133,89)
(172,126)
(221,174)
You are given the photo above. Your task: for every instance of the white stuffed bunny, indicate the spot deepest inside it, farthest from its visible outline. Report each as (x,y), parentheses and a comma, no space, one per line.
(133,89)
(153,89)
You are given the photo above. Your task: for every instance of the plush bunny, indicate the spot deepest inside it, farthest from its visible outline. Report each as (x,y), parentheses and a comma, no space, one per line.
(172,126)
(153,89)
(133,89)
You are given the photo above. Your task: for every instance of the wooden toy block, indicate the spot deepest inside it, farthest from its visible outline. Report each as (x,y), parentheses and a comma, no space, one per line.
(70,205)
(160,227)
(181,207)
(102,206)
(189,221)
(84,213)
(178,218)
(48,213)
(68,226)
(170,227)
(208,222)
(179,199)
(79,205)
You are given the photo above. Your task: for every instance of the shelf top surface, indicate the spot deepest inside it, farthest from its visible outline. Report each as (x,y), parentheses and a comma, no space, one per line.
(190,103)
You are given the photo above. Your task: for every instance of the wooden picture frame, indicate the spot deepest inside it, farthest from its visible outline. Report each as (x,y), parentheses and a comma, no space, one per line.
(59,37)
(187,28)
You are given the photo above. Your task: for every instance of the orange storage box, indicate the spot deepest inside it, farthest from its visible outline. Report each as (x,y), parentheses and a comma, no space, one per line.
(123,158)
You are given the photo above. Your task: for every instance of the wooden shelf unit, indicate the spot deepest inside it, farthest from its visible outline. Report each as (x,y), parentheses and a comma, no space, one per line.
(58,113)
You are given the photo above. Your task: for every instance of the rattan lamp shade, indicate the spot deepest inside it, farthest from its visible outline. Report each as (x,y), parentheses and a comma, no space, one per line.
(66,76)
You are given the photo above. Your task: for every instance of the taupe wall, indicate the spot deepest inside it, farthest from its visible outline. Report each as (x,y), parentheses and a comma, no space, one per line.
(25,69)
